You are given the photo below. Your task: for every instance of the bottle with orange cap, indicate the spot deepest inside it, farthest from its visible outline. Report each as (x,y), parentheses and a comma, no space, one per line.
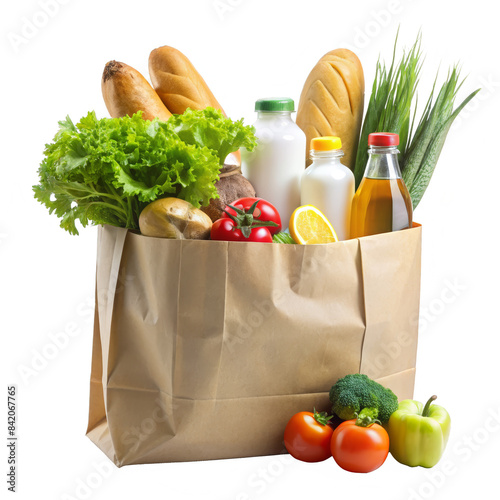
(328,185)
(382,202)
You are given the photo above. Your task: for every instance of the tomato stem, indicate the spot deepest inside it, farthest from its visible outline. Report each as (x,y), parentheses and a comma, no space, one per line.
(322,417)
(367,417)
(245,221)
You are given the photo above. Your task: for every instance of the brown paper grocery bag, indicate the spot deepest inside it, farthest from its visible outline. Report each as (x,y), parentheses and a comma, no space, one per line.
(205,349)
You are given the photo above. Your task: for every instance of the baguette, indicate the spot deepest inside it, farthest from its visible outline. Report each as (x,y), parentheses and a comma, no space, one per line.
(177,82)
(126,92)
(180,86)
(332,102)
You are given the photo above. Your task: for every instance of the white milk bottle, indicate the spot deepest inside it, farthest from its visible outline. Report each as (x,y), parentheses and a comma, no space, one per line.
(329,185)
(276,165)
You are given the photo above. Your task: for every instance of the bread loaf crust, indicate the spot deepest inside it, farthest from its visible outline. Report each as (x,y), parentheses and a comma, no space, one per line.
(126,92)
(332,100)
(177,82)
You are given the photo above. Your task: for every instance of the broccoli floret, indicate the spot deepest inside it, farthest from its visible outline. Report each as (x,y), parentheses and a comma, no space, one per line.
(353,393)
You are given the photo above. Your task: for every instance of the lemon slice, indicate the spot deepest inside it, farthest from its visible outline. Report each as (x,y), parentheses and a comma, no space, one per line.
(309,226)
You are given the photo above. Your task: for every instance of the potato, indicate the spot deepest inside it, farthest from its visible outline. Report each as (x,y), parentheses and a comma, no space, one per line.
(176,219)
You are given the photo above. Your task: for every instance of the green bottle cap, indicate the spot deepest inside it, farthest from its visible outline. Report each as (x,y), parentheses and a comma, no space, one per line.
(275,104)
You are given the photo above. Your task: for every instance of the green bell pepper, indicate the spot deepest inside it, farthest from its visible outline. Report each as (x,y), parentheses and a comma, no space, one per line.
(418,434)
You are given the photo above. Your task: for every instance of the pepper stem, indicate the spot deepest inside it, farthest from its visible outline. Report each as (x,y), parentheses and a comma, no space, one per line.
(427,407)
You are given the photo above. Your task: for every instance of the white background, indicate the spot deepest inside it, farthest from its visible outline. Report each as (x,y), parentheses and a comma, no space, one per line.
(245,49)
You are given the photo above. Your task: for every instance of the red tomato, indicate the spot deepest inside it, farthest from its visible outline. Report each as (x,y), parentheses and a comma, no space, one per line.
(264,211)
(225,230)
(359,449)
(307,439)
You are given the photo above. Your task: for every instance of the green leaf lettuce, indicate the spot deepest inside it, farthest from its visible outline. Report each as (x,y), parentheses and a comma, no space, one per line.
(106,171)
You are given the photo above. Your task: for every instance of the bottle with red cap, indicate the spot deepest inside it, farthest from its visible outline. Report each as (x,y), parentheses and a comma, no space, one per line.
(382,202)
